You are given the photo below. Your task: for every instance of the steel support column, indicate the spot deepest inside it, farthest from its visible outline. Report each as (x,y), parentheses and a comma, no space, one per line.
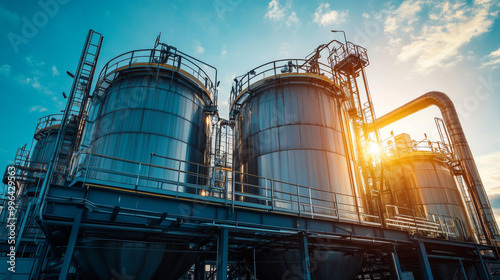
(462,269)
(485,272)
(304,257)
(71,245)
(396,272)
(40,260)
(424,261)
(222,256)
(199,270)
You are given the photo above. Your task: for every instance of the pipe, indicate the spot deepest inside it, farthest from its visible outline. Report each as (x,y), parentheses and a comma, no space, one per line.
(460,146)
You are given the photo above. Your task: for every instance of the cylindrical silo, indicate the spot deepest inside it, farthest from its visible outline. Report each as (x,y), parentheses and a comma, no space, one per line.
(151,114)
(148,129)
(423,181)
(46,137)
(290,129)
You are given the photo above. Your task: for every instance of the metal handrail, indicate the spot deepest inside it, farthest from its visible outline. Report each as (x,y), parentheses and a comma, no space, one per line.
(177,60)
(435,147)
(48,121)
(274,69)
(273,196)
(415,223)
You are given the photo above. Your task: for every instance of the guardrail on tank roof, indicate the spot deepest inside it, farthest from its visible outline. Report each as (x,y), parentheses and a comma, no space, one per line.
(48,121)
(175,60)
(278,68)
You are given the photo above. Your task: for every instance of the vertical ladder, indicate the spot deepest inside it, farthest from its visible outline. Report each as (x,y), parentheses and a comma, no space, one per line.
(77,106)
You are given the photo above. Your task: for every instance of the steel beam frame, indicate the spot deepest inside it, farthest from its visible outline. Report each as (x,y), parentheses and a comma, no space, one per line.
(222,254)
(68,255)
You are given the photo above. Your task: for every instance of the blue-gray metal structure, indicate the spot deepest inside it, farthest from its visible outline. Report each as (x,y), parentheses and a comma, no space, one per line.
(153,213)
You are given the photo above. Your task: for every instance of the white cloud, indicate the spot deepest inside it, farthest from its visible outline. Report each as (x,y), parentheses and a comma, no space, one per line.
(366,15)
(432,32)
(38,109)
(274,11)
(278,13)
(493,59)
(54,71)
(198,48)
(32,62)
(5,69)
(223,52)
(36,84)
(405,15)
(292,19)
(325,16)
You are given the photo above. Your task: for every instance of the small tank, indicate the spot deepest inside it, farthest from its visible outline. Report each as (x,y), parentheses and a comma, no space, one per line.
(423,180)
(46,136)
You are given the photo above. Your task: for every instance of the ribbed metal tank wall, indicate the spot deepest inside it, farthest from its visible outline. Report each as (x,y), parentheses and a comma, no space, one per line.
(421,181)
(44,149)
(146,109)
(140,114)
(291,129)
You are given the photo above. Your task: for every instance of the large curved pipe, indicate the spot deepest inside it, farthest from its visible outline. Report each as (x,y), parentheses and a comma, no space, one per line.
(460,146)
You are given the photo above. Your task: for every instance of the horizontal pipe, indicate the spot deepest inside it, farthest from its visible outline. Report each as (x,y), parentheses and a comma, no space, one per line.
(460,146)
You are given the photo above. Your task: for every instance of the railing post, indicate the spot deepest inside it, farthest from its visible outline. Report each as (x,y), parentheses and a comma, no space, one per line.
(272,194)
(178,179)
(226,177)
(298,199)
(414,219)
(232,193)
(336,205)
(197,173)
(87,169)
(310,202)
(131,59)
(138,175)
(267,200)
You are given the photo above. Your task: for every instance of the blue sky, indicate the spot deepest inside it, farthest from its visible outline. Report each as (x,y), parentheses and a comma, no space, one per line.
(414,46)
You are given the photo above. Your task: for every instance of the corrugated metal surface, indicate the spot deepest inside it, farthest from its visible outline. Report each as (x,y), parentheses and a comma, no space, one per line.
(290,130)
(139,115)
(422,182)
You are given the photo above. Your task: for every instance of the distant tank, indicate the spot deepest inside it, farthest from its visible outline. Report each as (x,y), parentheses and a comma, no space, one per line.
(424,182)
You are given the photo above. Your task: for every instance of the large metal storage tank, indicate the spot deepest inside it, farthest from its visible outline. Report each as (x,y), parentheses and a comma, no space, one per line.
(424,182)
(290,128)
(145,111)
(146,117)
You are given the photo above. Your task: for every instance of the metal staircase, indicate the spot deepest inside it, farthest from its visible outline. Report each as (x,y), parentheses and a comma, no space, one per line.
(76,109)
(348,63)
